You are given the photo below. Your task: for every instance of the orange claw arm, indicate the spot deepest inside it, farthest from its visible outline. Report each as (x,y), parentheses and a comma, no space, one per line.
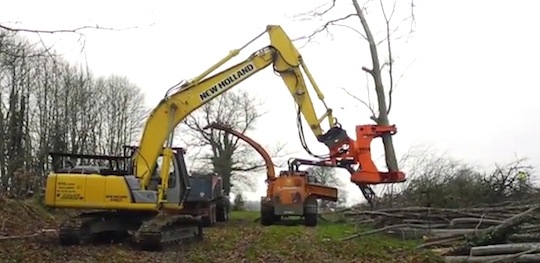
(270,171)
(359,151)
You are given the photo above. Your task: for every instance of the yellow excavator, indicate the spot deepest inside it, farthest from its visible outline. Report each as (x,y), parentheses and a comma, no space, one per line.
(142,192)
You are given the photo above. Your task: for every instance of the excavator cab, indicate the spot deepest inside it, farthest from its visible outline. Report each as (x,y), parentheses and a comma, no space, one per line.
(179,184)
(178,181)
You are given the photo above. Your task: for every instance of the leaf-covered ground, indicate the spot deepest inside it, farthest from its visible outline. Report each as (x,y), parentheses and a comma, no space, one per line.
(239,240)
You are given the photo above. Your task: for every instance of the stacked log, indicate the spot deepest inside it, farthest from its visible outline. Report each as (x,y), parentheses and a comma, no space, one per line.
(508,233)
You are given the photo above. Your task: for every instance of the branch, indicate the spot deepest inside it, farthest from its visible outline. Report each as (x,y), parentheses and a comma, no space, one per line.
(312,13)
(74,30)
(324,28)
(390,58)
(279,150)
(373,114)
(248,169)
(327,10)
(38,233)
(353,29)
(403,74)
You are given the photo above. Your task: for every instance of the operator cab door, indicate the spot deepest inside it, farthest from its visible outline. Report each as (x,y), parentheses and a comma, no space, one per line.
(179,184)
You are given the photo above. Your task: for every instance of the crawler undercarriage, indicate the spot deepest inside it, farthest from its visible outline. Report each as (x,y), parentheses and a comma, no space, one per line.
(148,231)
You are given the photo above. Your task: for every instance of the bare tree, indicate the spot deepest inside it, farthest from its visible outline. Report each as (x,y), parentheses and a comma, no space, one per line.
(48,104)
(226,154)
(122,113)
(328,176)
(380,71)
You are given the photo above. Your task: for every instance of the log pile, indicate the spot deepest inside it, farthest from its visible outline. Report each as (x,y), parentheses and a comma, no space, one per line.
(482,234)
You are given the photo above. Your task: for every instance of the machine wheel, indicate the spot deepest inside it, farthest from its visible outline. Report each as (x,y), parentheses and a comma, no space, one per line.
(311,213)
(267,215)
(200,235)
(210,219)
(214,215)
(206,221)
(310,220)
(222,212)
(226,214)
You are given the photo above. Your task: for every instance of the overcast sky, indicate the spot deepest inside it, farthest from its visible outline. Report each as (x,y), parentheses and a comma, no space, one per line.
(470,90)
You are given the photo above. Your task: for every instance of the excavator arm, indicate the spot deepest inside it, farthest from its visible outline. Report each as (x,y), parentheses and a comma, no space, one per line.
(193,94)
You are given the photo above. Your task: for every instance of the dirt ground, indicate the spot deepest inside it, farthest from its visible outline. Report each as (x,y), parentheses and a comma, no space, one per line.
(239,240)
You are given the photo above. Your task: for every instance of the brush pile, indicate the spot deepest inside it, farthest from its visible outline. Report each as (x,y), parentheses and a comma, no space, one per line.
(505,233)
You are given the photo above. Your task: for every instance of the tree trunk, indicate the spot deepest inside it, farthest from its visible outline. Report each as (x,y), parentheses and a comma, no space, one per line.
(375,72)
(500,258)
(503,249)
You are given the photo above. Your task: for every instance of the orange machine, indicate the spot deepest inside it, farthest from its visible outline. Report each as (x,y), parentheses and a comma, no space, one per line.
(293,193)
(346,152)
(359,152)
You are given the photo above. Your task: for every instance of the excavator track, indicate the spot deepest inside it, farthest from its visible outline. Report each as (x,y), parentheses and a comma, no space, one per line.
(73,230)
(165,229)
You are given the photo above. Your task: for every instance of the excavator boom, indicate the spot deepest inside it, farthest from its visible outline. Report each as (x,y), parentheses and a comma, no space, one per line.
(288,63)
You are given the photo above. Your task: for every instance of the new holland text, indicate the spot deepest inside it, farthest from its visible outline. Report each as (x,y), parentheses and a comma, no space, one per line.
(228,81)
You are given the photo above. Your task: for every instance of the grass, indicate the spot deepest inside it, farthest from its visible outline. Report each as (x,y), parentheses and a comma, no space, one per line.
(244,238)
(239,240)
(244,215)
